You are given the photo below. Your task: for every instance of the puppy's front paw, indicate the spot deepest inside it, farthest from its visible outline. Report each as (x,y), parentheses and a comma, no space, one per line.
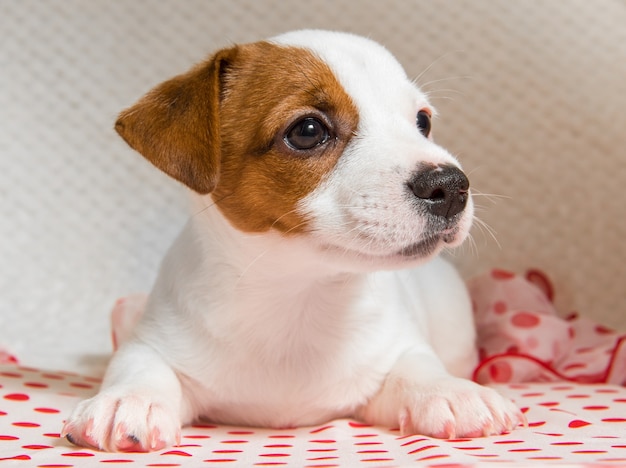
(446,408)
(123,420)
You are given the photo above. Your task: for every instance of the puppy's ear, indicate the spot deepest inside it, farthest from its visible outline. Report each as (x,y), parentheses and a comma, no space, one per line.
(176,126)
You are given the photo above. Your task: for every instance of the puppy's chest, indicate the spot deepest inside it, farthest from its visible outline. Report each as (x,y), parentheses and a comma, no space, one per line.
(317,350)
(295,331)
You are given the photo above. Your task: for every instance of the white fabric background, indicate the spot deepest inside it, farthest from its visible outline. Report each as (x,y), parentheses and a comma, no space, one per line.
(531,96)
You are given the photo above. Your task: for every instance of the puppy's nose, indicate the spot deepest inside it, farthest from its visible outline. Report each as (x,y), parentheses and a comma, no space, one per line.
(443,189)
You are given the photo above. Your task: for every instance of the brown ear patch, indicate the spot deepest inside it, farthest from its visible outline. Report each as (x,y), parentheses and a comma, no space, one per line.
(219,129)
(176,125)
(265,89)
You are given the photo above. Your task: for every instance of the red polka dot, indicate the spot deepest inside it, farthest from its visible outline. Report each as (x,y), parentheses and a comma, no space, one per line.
(163,464)
(78,454)
(17,397)
(562,387)
(81,385)
(8,437)
(178,453)
(540,279)
(525,320)
(36,385)
(436,457)
(576,423)
(26,424)
(358,425)
(52,376)
(602,330)
(500,307)
(502,275)
(422,449)
(47,410)
(97,380)
(500,371)
(18,457)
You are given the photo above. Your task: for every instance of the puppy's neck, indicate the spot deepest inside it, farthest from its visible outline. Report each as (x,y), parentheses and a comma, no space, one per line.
(261,258)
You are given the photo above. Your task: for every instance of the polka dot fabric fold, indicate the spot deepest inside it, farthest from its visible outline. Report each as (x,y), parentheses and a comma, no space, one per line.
(522,338)
(568,424)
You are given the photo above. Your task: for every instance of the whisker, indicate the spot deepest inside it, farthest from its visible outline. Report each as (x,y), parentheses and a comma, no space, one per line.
(424,86)
(433,63)
(485,228)
(492,197)
(215,202)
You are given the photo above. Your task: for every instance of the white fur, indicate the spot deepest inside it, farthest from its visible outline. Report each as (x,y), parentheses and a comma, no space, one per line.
(281,331)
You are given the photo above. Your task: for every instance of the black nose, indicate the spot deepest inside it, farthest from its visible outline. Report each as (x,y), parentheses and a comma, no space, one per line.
(443,189)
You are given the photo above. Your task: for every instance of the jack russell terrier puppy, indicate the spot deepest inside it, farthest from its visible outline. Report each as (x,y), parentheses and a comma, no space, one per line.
(305,286)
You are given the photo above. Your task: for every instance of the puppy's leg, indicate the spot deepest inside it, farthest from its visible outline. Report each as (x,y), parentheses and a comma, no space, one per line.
(137,409)
(420,397)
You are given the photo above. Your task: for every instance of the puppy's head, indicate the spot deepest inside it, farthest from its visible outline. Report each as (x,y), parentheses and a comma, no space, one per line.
(311,134)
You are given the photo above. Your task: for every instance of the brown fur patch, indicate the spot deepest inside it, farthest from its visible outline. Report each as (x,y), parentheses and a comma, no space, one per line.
(176,125)
(267,88)
(219,128)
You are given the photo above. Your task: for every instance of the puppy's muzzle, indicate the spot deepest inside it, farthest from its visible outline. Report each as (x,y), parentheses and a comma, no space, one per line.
(443,190)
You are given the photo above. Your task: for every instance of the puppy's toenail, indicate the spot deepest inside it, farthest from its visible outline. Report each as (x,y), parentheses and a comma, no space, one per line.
(70,439)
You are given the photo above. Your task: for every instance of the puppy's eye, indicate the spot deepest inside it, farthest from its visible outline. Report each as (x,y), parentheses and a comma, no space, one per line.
(423,122)
(306,134)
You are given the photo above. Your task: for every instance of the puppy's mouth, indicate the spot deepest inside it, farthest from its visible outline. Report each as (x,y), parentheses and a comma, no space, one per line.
(427,246)
(422,248)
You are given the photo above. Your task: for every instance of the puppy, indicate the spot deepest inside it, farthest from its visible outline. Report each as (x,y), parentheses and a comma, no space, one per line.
(305,286)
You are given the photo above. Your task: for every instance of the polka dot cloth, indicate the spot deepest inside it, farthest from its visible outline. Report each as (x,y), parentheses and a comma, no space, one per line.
(521,337)
(575,424)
